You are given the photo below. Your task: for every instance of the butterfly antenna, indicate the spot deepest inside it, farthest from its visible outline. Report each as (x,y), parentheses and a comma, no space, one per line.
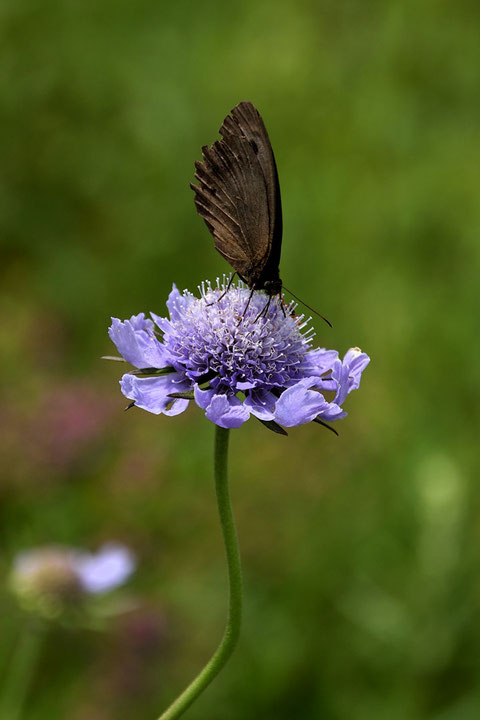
(308,306)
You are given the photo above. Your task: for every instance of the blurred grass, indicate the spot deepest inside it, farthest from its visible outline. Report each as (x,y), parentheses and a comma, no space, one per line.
(361,554)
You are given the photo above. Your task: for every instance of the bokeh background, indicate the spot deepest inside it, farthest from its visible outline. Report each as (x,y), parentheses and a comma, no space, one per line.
(361,553)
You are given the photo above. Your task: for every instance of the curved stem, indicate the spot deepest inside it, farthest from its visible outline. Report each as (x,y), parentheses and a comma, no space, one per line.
(232,630)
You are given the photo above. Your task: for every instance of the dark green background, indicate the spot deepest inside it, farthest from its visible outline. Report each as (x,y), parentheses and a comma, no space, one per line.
(361,553)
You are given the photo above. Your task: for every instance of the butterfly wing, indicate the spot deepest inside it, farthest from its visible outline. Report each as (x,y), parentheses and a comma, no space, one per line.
(238,196)
(245,120)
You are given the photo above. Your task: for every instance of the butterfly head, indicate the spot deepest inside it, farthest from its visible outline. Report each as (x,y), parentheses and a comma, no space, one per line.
(273,287)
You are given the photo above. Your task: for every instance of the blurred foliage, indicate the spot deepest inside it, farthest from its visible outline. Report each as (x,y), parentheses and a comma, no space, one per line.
(361,553)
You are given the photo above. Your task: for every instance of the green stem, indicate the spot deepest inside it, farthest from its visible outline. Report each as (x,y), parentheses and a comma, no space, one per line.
(232,630)
(20,671)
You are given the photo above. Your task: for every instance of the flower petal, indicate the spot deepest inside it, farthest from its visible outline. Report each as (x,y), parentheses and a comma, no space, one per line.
(106,569)
(203,398)
(227,412)
(247,385)
(178,303)
(357,361)
(347,373)
(261,403)
(163,323)
(319,361)
(136,342)
(298,405)
(332,412)
(152,393)
(340,376)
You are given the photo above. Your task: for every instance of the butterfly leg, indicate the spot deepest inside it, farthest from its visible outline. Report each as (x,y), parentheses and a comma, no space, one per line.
(246,306)
(264,310)
(225,291)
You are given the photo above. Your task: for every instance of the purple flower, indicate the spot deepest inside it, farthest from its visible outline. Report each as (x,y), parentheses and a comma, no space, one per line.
(49,579)
(234,361)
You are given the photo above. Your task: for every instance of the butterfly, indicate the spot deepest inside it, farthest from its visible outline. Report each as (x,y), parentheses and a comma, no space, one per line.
(238,196)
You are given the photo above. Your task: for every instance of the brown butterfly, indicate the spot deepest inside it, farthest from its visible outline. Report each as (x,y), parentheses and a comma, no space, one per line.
(238,196)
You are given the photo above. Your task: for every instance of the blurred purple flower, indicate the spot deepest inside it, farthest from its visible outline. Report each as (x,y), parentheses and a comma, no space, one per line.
(53,577)
(238,362)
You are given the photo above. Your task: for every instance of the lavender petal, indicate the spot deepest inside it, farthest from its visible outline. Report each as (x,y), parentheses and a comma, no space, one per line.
(106,569)
(136,342)
(152,393)
(298,405)
(227,412)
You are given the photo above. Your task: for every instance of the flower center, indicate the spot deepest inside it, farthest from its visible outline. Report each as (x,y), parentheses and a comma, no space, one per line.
(242,347)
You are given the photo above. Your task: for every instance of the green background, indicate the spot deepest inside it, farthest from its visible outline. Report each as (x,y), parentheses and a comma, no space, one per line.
(361,553)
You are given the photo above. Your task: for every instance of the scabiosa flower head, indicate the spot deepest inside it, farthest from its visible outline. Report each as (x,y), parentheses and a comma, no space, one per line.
(54,579)
(234,361)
